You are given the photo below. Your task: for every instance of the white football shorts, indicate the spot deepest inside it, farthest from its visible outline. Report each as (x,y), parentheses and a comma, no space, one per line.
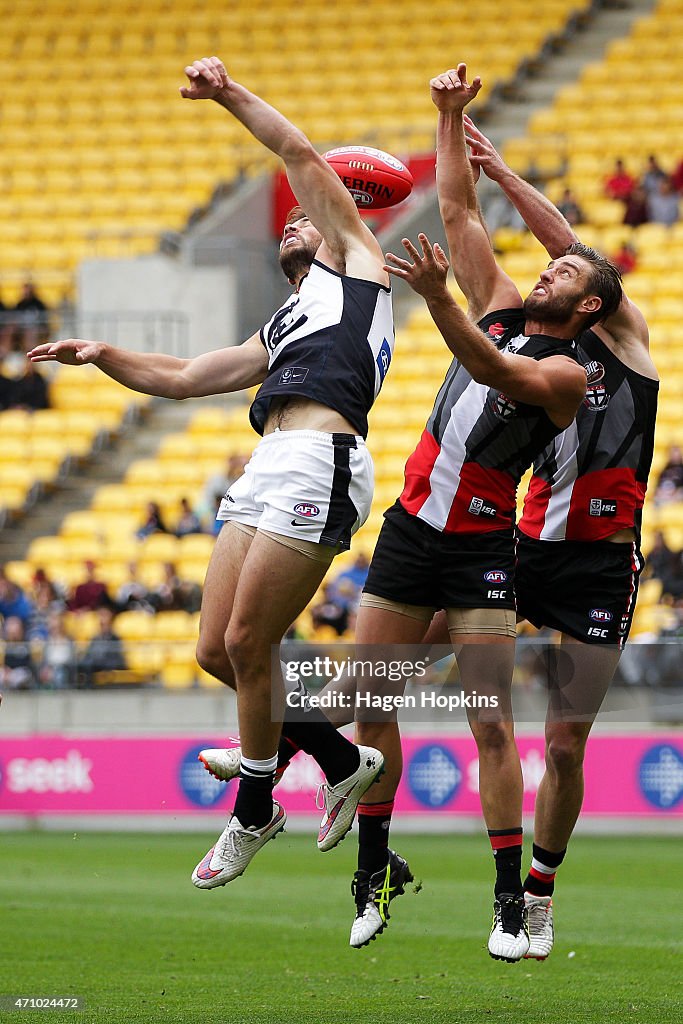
(305,484)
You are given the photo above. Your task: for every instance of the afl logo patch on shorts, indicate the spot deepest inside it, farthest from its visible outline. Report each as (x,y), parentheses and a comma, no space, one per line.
(495,576)
(306,509)
(600,615)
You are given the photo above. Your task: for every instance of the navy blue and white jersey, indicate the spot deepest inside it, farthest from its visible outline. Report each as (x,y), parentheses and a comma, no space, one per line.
(331,342)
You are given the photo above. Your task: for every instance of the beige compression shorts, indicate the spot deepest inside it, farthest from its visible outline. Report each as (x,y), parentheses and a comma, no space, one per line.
(482,621)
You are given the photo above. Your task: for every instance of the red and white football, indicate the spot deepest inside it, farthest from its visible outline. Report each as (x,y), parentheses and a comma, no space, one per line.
(376,180)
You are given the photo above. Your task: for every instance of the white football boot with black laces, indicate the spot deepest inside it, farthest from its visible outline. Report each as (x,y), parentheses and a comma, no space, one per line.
(235,848)
(509,938)
(373,894)
(541,932)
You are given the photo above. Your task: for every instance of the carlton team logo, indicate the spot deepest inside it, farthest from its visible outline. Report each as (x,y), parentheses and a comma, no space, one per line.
(597,396)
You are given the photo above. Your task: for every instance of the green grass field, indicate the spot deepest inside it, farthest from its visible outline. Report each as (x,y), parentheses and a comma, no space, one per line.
(115,919)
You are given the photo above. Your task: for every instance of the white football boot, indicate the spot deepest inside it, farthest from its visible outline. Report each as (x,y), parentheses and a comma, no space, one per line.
(541,932)
(509,938)
(341,801)
(373,894)
(224,763)
(235,848)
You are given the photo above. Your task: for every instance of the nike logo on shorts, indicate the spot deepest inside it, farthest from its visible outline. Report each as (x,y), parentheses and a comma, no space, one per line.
(305,523)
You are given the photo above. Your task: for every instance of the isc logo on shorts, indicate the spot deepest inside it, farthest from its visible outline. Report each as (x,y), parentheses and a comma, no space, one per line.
(306,509)
(600,615)
(495,576)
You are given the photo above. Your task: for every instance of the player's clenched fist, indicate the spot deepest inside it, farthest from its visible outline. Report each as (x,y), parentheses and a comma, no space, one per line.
(451,91)
(206,77)
(74,352)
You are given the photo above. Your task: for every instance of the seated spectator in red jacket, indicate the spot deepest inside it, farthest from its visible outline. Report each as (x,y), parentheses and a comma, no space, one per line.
(619,184)
(636,210)
(91,594)
(677,177)
(626,259)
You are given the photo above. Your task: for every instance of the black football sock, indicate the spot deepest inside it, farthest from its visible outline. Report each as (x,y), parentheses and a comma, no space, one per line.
(544,864)
(507,851)
(374,821)
(336,755)
(254,801)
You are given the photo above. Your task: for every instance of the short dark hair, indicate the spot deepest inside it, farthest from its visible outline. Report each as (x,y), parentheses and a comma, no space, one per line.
(296,213)
(604,281)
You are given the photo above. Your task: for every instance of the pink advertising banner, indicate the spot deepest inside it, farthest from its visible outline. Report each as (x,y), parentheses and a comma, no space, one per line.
(627,776)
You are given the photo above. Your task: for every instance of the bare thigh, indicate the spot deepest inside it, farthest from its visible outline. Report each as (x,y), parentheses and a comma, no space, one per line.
(222,577)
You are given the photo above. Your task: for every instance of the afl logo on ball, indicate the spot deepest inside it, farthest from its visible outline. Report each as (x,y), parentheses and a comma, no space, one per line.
(595,371)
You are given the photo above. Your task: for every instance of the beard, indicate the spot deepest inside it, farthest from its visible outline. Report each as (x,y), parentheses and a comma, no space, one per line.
(296,259)
(549,310)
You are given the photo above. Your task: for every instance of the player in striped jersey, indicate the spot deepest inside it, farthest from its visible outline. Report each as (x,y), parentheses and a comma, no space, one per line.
(578,551)
(320,360)
(448,542)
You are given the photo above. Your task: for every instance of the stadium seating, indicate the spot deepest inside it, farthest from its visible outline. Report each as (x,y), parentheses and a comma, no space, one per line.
(106,158)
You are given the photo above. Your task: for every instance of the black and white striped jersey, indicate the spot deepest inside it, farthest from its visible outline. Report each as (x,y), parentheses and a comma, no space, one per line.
(331,342)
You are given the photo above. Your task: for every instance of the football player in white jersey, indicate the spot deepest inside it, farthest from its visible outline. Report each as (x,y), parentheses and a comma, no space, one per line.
(309,484)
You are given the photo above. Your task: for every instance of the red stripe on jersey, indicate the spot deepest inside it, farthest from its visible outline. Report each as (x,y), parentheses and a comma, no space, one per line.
(593,494)
(535,506)
(480,489)
(418,470)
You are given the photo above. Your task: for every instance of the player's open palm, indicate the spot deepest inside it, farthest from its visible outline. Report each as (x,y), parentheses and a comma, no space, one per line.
(73,352)
(206,78)
(426,275)
(451,91)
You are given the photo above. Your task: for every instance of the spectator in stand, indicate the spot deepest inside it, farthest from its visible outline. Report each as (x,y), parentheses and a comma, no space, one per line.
(670,482)
(18,671)
(154,522)
(636,209)
(356,574)
(662,205)
(45,604)
(217,484)
(626,259)
(569,207)
(32,320)
(672,584)
(90,595)
(619,184)
(13,601)
(30,390)
(133,595)
(188,521)
(331,611)
(659,561)
(653,175)
(57,669)
(677,177)
(175,594)
(104,653)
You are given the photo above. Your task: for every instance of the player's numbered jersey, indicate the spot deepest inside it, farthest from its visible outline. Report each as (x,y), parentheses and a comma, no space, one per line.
(591,481)
(331,342)
(478,443)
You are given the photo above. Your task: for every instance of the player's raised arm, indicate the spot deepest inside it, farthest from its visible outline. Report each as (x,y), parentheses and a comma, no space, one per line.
(327,203)
(212,373)
(483,282)
(541,216)
(557,383)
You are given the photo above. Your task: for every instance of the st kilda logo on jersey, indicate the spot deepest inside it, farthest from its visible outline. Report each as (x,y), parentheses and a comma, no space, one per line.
(597,395)
(504,406)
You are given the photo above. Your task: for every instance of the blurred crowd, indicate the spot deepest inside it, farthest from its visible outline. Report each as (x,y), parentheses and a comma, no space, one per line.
(653,196)
(22,326)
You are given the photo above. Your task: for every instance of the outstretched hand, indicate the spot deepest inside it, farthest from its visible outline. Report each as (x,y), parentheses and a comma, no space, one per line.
(451,91)
(483,154)
(206,77)
(426,275)
(73,352)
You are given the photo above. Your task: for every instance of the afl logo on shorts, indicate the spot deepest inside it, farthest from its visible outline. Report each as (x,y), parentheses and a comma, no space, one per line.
(495,576)
(306,509)
(600,615)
